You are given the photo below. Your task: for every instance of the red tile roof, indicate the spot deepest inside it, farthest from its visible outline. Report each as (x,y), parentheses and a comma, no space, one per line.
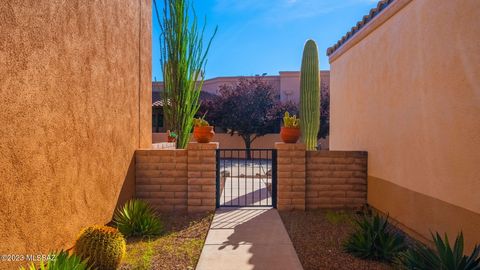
(367,18)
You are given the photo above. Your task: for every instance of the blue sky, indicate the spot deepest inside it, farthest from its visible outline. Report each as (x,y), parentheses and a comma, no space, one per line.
(267,36)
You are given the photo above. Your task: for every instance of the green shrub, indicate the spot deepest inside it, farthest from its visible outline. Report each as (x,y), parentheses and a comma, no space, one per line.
(137,218)
(61,261)
(443,257)
(374,239)
(103,246)
(337,217)
(31,266)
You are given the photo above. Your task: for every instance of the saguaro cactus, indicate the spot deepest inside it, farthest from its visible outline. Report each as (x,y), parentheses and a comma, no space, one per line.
(310,95)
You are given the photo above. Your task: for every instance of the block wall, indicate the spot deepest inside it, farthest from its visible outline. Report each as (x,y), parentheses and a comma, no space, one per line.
(201,176)
(336,179)
(162,178)
(176,180)
(291,172)
(320,179)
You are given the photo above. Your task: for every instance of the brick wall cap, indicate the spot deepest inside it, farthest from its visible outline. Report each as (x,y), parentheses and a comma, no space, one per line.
(143,150)
(290,146)
(161,153)
(203,146)
(327,153)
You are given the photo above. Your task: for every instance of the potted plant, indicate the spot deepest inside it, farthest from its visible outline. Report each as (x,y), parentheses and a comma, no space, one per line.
(202,131)
(171,136)
(290,132)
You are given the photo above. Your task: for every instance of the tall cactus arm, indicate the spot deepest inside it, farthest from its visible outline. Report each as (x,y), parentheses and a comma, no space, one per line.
(310,95)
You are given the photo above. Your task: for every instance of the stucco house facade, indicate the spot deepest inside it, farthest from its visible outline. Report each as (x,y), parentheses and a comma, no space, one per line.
(405,86)
(75,91)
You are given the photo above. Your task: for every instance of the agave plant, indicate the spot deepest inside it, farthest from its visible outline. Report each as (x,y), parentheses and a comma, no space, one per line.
(137,218)
(374,239)
(443,257)
(61,261)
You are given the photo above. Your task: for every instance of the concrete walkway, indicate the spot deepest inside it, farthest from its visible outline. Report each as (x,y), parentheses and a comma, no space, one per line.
(248,238)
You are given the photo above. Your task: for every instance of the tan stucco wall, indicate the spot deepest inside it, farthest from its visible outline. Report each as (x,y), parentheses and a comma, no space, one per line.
(75,87)
(408,92)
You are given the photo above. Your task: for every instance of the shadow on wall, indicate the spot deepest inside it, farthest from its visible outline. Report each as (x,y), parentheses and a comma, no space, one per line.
(258,241)
(128,188)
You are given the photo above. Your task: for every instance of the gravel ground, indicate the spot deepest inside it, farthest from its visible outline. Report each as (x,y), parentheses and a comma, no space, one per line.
(178,248)
(318,237)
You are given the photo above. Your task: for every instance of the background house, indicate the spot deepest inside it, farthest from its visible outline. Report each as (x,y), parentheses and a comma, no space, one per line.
(286,85)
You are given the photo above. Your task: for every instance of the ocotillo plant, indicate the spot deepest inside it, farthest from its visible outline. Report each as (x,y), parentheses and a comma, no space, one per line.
(310,95)
(183,58)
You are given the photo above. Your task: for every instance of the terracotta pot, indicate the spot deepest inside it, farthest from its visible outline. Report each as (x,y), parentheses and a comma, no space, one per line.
(171,139)
(203,134)
(289,135)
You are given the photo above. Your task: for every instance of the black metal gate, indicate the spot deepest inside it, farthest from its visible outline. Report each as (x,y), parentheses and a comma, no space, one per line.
(246,178)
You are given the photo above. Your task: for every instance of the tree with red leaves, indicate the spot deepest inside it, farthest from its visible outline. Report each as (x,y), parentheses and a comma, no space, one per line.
(249,108)
(324,130)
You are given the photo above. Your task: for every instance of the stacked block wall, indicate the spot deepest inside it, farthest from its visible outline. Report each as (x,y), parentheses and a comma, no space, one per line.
(336,179)
(177,180)
(161,178)
(291,172)
(201,176)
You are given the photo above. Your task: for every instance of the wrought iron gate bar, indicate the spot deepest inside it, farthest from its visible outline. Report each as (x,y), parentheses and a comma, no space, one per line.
(254,187)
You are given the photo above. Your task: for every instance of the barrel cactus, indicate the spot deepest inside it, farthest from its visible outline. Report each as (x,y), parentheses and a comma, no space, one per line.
(310,95)
(103,246)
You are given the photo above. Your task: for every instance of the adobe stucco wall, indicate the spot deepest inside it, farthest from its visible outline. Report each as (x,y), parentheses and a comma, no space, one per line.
(406,88)
(75,87)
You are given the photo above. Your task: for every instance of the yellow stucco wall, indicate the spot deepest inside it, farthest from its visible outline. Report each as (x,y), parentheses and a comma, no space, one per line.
(75,91)
(407,90)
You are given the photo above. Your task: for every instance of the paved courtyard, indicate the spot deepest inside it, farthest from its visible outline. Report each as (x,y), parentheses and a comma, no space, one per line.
(246,182)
